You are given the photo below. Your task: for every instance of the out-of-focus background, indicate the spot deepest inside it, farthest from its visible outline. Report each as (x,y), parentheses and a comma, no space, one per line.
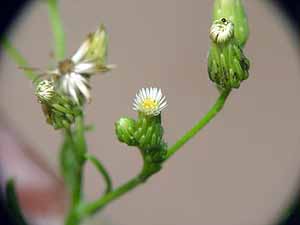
(242,169)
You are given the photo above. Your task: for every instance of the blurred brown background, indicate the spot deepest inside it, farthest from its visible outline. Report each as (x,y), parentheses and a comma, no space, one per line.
(241,170)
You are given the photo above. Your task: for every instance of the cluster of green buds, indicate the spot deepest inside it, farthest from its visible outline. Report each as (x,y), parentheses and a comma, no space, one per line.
(60,111)
(227,64)
(146,132)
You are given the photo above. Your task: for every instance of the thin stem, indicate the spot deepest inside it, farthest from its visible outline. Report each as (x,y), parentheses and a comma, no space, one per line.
(17,57)
(102,170)
(57,28)
(91,208)
(201,124)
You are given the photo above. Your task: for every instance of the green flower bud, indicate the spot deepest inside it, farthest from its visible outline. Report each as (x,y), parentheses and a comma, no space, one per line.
(60,111)
(125,128)
(235,12)
(149,132)
(227,64)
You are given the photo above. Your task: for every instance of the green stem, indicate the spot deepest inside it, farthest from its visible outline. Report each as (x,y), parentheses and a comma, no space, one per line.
(78,148)
(204,121)
(76,187)
(102,170)
(57,28)
(97,205)
(76,173)
(72,218)
(17,57)
(79,137)
(91,208)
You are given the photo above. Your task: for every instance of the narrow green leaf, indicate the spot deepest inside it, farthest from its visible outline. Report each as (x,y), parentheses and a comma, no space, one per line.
(99,166)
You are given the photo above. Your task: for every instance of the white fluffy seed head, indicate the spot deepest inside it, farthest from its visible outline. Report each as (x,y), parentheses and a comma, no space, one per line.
(149,101)
(221,31)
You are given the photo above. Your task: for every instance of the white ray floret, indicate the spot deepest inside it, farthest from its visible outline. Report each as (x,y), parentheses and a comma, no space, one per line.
(74,83)
(149,101)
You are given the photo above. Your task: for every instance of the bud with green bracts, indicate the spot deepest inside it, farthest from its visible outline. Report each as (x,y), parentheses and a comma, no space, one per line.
(125,128)
(235,12)
(227,64)
(146,133)
(149,131)
(60,111)
(149,136)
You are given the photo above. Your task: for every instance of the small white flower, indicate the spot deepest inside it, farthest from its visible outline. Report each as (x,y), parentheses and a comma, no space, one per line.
(221,31)
(45,90)
(149,101)
(74,73)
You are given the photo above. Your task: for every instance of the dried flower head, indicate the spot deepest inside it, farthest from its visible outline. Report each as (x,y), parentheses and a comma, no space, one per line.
(73,73)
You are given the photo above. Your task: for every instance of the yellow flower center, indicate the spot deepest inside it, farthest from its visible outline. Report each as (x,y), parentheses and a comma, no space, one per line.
(149,103)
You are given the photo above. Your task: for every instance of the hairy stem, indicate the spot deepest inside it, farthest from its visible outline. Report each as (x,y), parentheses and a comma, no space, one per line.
(201,124)
(93,207)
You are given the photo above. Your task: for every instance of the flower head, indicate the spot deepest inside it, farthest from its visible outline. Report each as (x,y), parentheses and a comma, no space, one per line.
(150,101)
(221,31)
(73,73)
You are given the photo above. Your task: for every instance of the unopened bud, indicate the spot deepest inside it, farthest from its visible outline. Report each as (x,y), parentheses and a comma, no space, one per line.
(149,132)
(227,64)
(125,128)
